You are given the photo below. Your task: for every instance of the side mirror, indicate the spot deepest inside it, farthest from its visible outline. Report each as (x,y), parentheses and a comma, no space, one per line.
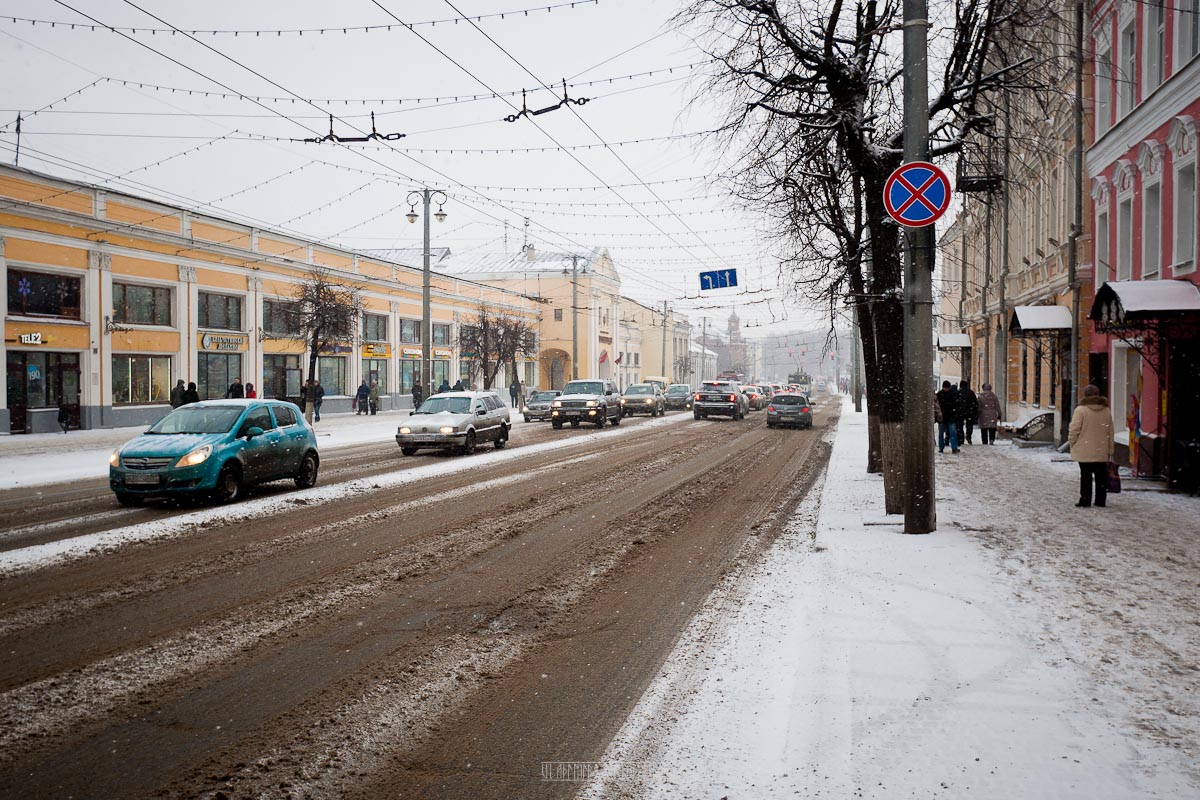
(253,431)
(481,412)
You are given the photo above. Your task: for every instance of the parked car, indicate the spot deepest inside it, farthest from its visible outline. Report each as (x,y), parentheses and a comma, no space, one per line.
(789,409)
(538,405)
(596,401)
(754,398)
(456,421)
(679,395)
(720,398)
(217,448)
(643,398)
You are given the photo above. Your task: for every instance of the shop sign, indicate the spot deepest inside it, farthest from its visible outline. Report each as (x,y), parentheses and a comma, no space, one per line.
(377,350)
(411,353)
(31,338)
(223,342)
(443,353)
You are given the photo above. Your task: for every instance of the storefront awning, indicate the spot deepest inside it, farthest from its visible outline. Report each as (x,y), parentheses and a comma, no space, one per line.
(953,341)
(1039,320)
(1118,301)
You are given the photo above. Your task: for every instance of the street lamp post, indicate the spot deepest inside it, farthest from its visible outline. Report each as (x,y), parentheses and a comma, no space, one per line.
(426,196)
(575,259)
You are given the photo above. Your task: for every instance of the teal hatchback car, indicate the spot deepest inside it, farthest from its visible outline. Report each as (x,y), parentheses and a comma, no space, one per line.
(217,449)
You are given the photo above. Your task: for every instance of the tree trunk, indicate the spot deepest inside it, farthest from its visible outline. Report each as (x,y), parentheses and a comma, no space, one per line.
(866,327)
(889,351)
(309,401)
(891,439)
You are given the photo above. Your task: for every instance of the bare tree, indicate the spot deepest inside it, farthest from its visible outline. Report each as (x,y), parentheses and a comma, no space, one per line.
(495,338)
(327,315)
(813,98)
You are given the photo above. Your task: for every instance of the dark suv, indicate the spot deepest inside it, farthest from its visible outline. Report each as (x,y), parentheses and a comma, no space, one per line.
(597,401)
(720,398)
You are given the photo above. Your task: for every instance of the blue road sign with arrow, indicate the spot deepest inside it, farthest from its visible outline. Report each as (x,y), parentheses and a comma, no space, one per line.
(718,279)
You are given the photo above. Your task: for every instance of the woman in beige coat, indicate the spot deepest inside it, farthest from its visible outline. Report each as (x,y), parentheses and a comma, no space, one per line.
(1091,439)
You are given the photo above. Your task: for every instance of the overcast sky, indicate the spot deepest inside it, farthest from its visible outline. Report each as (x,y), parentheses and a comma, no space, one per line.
(659,246)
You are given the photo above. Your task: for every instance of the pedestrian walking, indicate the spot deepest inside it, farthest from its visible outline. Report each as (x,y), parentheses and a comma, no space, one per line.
(191,395)
(514,392)
(989,414)
(373,398)
(318,397)
(361,398)
(64,416)
(968,406)
(947,400)
(251,392)
(177,394)
(1091,440)
(418,394)
(235,389)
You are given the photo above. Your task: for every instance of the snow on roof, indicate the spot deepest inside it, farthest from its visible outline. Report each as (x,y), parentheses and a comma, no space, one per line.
(1141,297)
(1041,318)
(949,341)
(516,263)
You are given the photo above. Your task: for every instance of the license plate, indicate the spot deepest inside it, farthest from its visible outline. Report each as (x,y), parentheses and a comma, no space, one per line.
(133,479)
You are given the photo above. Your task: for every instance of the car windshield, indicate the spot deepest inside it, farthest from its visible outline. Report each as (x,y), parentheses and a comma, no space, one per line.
(788,400)
(639,390)
(720,387)
(584,387)
(679,388)
(195,419)
(544,396)
(454,405)
(750,390)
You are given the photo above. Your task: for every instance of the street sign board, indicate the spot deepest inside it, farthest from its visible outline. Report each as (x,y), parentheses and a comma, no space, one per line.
(718,279)
(916,194)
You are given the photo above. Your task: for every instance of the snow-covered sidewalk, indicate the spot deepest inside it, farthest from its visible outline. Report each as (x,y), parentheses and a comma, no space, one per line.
(1027,649)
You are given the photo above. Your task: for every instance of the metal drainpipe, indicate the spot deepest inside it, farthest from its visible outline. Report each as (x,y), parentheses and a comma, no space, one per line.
(1002,327)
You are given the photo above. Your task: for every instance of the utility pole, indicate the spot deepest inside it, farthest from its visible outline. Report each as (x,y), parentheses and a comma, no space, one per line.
(574,259)
(1001,365)
(704,350)
(1076,222)
(426,196)
(920,507)
(664,343)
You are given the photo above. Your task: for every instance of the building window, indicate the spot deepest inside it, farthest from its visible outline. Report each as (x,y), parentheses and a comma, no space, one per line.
(140,379)
(220,311)
(43,294)
(441,333)
(410,331)
(1125,239)
(141,305)
(281,318)
(1156,43)
(1152,231)
(1052,400)
(375,370)
(1024,373)
(375,328)
(1127,74)
(1185,219)
(215,372)
(1104,72)
(281,376)
(1103,259)
(1037,376)
(558,315)
(331,371)
(1188,25)
(1126,374)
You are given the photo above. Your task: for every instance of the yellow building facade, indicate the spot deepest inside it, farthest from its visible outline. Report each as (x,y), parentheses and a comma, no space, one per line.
(111,299)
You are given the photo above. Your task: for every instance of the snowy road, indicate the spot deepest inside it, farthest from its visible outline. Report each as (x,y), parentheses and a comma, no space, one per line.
(438,631)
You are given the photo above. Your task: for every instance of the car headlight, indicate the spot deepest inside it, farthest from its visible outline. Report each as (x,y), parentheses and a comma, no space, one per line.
(649,400)
(406,430)
(446,429)
(557,404)
(591,403)
(197,456)
(115,459)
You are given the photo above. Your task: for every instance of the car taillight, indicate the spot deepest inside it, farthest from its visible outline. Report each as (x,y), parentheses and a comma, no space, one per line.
(697,395)
(733,398)
(771,407)
(805,409)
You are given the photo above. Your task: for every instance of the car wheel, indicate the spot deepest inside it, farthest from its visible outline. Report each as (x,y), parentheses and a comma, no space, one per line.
(556,424)
(770,424)
(617,419)
(528,418)
(130,500)
(408,451)
(502,439)
(307,475)
(468,446)
(229,484)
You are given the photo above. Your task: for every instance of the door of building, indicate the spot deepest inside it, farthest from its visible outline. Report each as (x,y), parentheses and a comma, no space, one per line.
(1183,423)
(41,380)
(18,397)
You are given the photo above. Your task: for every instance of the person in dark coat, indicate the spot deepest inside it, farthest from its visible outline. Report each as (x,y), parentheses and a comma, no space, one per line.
(64,416)
(318,397)
(418,394)
(191,395)
(361,398)
(444,386)
(948,426)
(373,398)
(514,392)
(236,389)
(989,414)
(459,386)
(177,394)
(968,407)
